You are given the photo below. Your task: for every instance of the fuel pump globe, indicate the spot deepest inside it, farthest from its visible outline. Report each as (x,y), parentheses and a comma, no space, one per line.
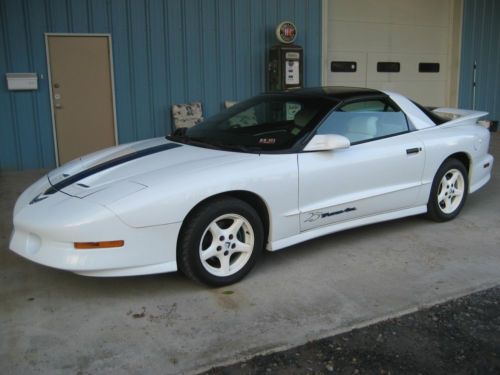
(286,32)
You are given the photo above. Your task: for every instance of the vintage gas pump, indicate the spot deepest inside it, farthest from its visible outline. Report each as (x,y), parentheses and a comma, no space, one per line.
(285,60)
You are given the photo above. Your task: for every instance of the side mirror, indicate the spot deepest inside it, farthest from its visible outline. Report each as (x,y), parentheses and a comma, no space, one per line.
(327,142)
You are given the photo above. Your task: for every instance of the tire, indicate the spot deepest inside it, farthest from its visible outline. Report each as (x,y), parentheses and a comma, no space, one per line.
(449,191)
(220,242)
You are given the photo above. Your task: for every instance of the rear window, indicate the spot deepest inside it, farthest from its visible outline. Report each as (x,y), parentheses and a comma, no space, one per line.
(435,118)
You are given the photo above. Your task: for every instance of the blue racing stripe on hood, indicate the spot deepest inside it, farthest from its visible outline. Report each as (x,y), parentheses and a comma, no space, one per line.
(109,164)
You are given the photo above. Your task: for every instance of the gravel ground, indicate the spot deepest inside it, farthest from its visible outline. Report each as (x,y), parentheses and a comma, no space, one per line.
(458,337)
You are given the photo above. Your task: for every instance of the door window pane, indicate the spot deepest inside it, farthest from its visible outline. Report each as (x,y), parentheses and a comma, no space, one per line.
(365,120)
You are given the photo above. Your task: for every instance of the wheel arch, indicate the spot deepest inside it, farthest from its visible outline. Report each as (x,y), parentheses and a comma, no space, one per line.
(253,199)
(434,211)
(462,157)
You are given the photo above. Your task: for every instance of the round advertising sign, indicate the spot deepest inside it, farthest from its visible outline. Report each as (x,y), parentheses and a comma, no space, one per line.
(286,32)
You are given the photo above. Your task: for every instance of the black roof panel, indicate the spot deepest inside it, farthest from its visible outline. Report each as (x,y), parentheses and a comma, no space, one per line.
(336,93)
(340,92)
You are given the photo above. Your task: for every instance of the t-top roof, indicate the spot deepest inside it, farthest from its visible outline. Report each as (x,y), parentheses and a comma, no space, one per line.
(340,92)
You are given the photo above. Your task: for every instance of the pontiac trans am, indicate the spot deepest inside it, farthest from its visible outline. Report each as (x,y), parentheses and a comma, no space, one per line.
(269,172)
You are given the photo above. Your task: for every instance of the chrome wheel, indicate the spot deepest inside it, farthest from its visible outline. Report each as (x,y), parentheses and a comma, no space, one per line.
(226,245)
(451,191)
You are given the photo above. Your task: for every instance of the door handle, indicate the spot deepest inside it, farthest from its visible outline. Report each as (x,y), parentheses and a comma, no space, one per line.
(414,150)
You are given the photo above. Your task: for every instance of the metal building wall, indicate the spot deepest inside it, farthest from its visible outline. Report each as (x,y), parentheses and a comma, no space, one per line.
(481,43)
(164,51)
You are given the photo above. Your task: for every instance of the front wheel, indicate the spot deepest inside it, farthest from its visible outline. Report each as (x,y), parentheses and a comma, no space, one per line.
(448,192)
(220,242)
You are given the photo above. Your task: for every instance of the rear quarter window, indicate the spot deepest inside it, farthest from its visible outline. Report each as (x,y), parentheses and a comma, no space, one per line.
(435,118)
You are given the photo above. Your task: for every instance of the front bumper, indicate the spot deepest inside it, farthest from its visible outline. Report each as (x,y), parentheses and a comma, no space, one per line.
(45,232)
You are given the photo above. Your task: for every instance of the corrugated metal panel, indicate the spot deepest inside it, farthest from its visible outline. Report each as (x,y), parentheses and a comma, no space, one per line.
(164,52)
(481,43)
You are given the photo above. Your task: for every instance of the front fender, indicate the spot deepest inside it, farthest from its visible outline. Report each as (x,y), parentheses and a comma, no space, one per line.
(272,177)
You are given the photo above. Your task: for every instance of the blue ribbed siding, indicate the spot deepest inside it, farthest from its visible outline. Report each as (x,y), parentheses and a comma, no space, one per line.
(164,52)
(481,42)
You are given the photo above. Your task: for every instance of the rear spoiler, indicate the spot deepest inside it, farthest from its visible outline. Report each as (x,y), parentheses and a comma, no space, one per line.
(459,116)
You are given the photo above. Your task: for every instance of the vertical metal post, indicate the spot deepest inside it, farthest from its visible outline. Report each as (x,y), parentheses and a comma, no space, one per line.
(474,85)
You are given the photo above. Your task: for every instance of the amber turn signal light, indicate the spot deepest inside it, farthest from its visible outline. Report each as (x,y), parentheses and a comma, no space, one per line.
(99,245)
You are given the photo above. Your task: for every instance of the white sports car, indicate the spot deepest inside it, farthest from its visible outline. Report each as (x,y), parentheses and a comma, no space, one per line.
(270,172)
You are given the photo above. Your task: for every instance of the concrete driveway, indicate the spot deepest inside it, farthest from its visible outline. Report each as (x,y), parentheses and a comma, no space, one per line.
(56,322)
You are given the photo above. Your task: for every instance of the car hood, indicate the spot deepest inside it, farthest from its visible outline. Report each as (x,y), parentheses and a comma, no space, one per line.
(131,166)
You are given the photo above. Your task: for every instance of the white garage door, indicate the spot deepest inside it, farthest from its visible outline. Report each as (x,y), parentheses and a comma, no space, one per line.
(419,37)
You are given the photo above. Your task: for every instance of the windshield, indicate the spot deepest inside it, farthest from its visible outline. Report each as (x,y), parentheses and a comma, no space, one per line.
(263,123)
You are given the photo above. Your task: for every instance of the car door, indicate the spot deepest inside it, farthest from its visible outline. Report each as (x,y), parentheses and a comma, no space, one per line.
(380,172)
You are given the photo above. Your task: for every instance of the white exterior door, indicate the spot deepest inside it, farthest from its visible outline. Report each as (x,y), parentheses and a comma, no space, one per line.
(360,181)
(380,172)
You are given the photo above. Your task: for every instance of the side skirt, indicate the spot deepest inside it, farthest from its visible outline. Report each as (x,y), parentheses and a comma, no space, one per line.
(318,232)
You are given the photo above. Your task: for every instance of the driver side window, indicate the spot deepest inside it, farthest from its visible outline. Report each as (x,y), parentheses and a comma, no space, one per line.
(367,120)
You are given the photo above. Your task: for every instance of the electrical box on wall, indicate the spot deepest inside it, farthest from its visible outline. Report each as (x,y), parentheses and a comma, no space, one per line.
(22,81)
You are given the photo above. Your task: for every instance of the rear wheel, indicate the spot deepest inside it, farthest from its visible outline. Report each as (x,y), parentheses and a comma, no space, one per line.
(448,192)
(220,242)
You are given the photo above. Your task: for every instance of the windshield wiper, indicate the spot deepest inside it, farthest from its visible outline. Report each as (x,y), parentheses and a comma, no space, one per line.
(240,148)
(191,141)
(180,136)
(225,146)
